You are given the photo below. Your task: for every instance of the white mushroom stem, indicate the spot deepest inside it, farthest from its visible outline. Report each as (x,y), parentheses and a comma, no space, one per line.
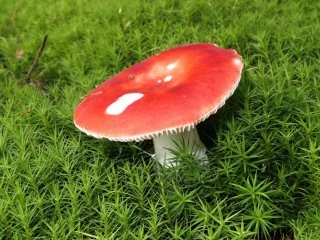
(168,144)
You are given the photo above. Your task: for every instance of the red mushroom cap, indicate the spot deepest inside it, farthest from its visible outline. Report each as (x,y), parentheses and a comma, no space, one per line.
(170,91)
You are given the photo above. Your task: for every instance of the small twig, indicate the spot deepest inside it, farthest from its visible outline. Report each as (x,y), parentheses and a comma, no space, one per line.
(27,78)
(27,112)
(87,235)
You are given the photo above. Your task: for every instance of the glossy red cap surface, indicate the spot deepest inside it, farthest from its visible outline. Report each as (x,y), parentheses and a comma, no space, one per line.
(170,91)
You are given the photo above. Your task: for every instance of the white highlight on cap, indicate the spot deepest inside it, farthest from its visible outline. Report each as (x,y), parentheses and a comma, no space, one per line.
(171,66)
(122,103)
(237,61)
(167,78)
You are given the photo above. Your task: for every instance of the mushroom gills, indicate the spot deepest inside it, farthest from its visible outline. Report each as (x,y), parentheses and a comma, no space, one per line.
(168,145)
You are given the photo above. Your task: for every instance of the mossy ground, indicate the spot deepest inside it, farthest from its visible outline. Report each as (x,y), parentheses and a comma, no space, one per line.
(263,177)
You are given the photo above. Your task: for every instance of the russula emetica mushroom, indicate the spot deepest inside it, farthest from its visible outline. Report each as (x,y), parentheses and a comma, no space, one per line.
(163,98)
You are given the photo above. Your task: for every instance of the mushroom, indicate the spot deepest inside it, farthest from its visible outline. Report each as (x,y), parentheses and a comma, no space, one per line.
(163,98)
